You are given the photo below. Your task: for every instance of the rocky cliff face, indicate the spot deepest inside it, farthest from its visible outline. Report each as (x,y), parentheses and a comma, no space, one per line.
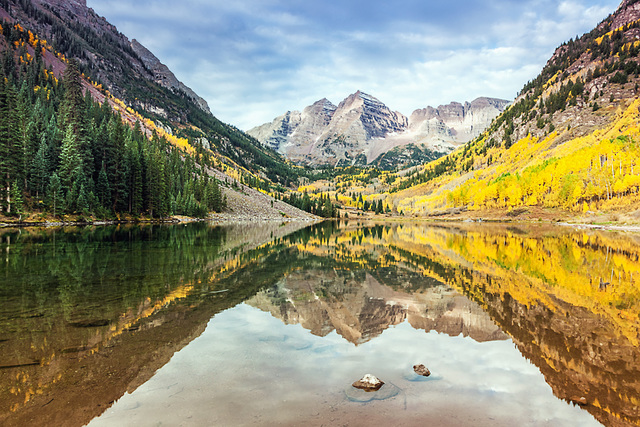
(461,122)
(307,127)
(361,129)
(164,76)
(105,53)
(627,12)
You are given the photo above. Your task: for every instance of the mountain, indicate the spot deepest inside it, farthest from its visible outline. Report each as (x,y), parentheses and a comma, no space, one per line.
(164,76)
(568,142)
(362,130)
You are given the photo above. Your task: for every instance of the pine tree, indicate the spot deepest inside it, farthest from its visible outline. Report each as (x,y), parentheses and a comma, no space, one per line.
(82,204)
(70,162)
(135,184)
(327,208)
(10,148)
(306,202)
(40,168)
(157,200)
(102,189)
(117,169)
(72,108)
(16,198)
(55,198)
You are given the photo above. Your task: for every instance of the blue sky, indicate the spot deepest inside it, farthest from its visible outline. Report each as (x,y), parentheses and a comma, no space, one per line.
(253,60)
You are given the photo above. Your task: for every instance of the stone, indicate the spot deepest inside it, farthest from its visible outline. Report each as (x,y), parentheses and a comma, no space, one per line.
(368,383)
(582,401)
(357,395)
(421,370)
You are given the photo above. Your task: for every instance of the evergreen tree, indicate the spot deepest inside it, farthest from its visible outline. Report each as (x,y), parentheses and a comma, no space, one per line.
(82,204)
(10,147)
(16,198)
(72,108)
(327,208)
(306,202)
(103,191)
(70,161)
(40,168)
(135,184)
(55,198)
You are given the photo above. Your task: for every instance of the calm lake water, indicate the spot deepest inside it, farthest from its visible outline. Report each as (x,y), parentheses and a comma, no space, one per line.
(271,324)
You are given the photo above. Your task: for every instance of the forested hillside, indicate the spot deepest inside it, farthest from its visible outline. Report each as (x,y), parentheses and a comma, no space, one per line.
(61,151)
(107,58)
(85,130)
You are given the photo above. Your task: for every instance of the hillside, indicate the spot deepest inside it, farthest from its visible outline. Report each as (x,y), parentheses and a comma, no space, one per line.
(129,72)
(568,143)
(95,126)
(363,131)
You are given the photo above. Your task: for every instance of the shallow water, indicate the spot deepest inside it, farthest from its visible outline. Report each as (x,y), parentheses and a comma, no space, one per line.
(180,325)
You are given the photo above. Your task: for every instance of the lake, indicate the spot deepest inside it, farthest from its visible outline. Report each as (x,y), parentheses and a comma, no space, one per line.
(270,324)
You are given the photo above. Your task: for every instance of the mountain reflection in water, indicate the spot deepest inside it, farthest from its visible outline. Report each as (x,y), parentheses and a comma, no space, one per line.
(88,315)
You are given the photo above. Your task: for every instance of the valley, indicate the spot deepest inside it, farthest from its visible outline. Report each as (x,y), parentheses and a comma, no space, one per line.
(163,267)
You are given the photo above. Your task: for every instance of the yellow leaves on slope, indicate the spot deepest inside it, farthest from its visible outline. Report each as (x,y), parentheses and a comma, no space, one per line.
(580,174)
(610,33)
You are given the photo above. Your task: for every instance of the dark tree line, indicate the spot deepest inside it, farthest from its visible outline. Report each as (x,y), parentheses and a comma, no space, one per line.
(322,206)
(62,152)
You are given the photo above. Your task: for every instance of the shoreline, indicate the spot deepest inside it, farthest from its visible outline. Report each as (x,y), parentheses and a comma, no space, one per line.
(217,219)
(222,219)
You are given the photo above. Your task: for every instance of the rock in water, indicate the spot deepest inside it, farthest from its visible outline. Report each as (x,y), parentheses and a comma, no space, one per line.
(421,370)
(368,383)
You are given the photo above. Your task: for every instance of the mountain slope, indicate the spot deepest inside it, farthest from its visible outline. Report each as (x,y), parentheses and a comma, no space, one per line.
(568,141)
(362,130)
(68,145)
(131,73)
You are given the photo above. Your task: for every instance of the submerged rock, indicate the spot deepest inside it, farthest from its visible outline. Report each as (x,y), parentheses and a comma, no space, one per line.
(421,370)
(387,391)
(368,383)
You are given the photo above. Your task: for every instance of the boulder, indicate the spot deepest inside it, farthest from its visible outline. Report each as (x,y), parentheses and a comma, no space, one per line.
(579,400)
(368,383)
(421,370)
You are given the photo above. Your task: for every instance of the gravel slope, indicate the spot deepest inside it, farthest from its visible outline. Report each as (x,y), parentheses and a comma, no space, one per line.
(248,204)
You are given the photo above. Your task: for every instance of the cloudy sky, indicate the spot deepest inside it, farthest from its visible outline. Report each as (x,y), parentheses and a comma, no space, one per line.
(253,60)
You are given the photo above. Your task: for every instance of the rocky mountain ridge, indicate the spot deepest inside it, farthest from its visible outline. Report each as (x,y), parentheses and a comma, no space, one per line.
(361,129)
(368,306)
(164,76)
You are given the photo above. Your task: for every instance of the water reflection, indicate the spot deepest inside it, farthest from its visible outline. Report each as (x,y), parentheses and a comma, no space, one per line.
(88,313)
(359,307)
(249,368)
(118,303)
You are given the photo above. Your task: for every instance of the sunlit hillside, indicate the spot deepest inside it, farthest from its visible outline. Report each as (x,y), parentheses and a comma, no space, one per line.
(568,143)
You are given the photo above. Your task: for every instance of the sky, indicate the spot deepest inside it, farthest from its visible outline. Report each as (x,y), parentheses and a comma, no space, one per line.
(253,60)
